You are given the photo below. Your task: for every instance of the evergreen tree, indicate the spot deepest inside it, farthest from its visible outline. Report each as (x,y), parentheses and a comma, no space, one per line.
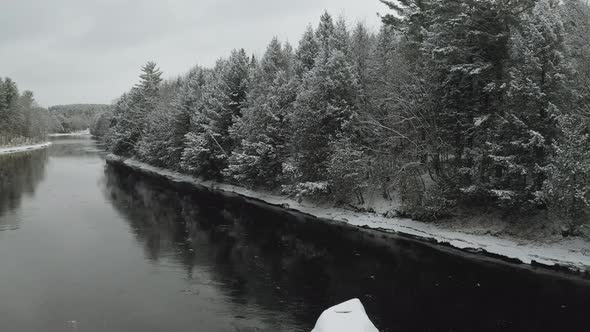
(208,143)
(306,53)
(567,188)
(324,107)
(348,169)
(535,88)
(576,21)
(325,34)
(27,106)
(160,144)
(131,110)
(290,59)
(185,104)
(361,47)
(412,18)
(4,125)
(341,38)
(10,93)
(118,141)
(22,121)
(149,86)
(263,129)
(13,116)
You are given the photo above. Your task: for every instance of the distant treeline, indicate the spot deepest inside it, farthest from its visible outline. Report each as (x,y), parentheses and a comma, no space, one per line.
(75,117)
(451,104)
(22,121)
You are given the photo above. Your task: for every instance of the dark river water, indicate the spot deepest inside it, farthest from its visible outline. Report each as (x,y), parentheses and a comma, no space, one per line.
(90,247)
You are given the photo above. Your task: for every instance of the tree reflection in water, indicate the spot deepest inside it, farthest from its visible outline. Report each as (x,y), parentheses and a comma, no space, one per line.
(290,263)
(20,174)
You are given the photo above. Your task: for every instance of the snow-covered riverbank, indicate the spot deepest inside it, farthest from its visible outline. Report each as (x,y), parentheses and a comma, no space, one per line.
(23,148)
(75,133)
(572,253)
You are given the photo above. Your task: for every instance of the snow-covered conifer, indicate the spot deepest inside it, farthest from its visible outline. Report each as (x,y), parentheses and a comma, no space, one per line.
(262,131)
(208,143)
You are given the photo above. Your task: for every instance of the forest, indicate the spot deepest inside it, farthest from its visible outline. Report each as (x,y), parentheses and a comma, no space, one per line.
(74,117)
(450,105)
(22,121)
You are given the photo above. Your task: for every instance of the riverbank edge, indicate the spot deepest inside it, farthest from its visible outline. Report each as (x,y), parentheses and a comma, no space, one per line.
(571,256)
(85,132)
(24,148)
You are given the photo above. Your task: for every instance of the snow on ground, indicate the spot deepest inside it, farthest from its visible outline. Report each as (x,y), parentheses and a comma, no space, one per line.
(15,149)
(75,133)
(571,253)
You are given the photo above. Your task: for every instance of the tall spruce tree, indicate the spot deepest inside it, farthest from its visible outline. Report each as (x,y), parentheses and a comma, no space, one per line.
(567,189)
(208,143)
(361,47)
(160,143)
(263,130)
(306,53)
(536,86)
(131,110)
(325,105)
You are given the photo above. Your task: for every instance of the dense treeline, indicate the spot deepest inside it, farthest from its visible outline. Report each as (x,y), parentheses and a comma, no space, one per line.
(101,124)
(450,104)
(22,121)
(75,117)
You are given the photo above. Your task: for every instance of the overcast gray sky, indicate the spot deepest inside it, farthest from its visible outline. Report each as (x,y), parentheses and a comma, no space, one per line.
(74,51)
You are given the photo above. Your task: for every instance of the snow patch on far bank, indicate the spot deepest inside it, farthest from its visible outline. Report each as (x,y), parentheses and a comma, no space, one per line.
(75,133)
(573,254)
(16,149)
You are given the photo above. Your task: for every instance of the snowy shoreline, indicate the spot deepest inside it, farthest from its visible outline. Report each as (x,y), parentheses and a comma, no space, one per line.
(572,255)
(75,133)
(24,148)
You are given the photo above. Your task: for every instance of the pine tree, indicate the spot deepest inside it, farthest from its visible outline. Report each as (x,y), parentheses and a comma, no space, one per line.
(341,38)
(13,116)
(26,105)
(118,141)
(348,169)
(535,89)
(325,33)
(149,86)
(306,53)
(361,48)
(3,108)
(290,57)
(160,144)
(11,92)
(208,143)
(263,129)
(131,110)
(567,188)
(185,104)
(412,18)
(576,21)
(324,107)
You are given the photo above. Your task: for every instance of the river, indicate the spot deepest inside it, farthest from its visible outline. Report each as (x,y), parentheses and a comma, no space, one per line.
(90,247)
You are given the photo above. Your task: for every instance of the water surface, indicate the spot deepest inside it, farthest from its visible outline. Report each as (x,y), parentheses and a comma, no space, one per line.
(86,247)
